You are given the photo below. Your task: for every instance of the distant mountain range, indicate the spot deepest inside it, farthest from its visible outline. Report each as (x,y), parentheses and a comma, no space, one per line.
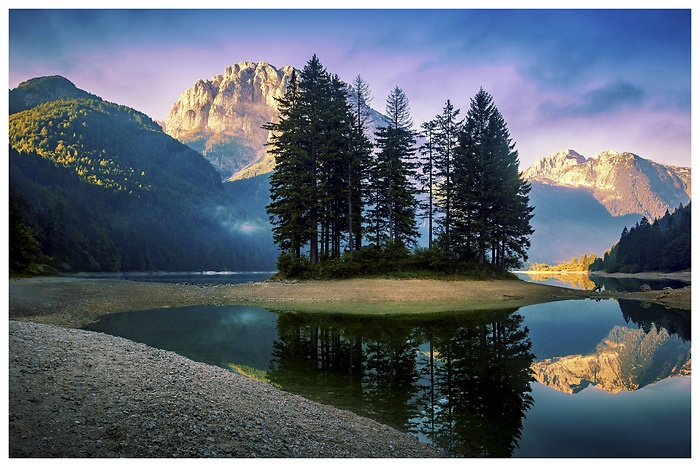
(583,204)
(624,183)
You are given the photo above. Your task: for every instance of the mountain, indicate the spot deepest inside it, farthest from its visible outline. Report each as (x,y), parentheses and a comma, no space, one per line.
(583,204)
(101,187)
(222,117)
(624,183)
(44,89)
(627,359)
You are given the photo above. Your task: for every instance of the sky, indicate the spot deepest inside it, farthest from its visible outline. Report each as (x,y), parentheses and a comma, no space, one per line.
(584,79)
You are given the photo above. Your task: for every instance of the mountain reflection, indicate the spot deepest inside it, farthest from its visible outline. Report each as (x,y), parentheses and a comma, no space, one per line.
(627,358)
(461,383)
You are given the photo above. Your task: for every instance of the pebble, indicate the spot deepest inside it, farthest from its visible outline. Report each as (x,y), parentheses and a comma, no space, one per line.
(131,401)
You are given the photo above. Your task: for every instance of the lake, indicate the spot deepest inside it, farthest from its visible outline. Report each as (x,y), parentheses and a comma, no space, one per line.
(586,281)
(190,277)
(580,378)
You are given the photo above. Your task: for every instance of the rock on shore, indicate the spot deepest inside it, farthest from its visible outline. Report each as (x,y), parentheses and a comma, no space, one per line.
(75,393)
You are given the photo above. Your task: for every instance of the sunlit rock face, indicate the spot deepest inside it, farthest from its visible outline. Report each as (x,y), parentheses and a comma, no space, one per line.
(622,182)
(627,359)
(223,117)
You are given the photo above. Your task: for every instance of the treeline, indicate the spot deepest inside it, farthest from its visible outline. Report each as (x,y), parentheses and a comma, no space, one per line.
(338,199)
(580,264)
(95,186)
(662,245)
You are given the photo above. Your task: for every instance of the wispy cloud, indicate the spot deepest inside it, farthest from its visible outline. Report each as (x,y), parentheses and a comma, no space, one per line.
(606,99)
(547,69)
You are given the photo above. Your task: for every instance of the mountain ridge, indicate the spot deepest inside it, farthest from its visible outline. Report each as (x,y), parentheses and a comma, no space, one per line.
(222,117)
(100,187)
(36,91)
(624,183)
(583,204)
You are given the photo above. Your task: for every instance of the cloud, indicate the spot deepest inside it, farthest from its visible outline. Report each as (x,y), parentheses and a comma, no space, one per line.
(603,100)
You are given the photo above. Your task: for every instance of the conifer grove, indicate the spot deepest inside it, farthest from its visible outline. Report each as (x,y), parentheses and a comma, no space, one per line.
(339,196)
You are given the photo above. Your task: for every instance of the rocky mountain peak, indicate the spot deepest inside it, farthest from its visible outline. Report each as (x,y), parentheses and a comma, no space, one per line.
(555,163)
(624,183)
(222,117)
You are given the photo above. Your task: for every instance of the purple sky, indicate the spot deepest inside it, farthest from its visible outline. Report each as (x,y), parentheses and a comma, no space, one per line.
(588,80)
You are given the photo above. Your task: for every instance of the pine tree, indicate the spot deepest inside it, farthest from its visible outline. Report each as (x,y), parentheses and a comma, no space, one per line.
(447,131)
(334,167)
(393,173)
(290,182)
(359,99)
(470,204)
(508,197)
(491,201)
(427,167)
(321,157)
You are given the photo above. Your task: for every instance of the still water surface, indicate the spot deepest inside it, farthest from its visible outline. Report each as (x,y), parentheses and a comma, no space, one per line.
(586,281)
(192,277)
(566,379)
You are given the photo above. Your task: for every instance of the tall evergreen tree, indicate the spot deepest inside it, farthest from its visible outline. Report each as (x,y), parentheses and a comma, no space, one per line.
(447,131)
(491,201)
(290,182)
(315,189)
(334,167)
(393,174)
(427,166)
(508,194)
(359,161)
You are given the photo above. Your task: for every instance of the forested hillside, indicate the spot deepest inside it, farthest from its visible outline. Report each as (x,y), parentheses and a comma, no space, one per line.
(662,245)
(100,187)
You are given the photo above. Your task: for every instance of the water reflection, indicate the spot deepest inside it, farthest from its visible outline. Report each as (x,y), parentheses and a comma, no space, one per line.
(627,359)
(462,383)
(586,281)
(650,343)
(574,280)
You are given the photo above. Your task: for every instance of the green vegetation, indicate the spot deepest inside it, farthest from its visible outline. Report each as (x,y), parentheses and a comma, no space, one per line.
(99,187)
(663,245)
(330,191)
(393,260)
(575,265)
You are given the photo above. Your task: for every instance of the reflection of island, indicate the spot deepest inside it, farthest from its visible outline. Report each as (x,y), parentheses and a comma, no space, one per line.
(627,359)
(460,381)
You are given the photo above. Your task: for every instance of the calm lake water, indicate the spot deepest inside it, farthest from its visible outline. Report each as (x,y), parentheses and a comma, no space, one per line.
(192,277)
(567,379)
(585,281)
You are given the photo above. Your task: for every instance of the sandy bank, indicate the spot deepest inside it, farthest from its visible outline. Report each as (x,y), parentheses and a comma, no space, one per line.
(72,302)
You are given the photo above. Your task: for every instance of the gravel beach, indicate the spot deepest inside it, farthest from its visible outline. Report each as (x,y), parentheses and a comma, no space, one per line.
(81,394)
(75,393)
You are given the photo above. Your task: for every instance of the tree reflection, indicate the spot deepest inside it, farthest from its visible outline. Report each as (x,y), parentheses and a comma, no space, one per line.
(459,381)
(651,315)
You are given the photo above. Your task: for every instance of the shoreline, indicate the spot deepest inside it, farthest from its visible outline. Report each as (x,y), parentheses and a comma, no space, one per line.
(74,302)
(77,393)
(684,276)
